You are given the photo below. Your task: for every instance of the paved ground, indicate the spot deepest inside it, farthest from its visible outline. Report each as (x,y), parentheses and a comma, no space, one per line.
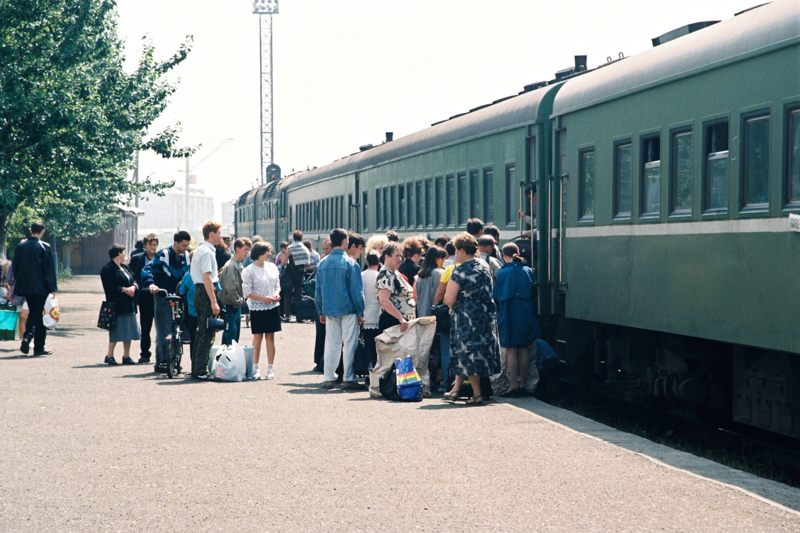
(88,447)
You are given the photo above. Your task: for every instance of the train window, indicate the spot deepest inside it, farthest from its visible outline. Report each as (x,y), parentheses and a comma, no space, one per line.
(756,161)
(317,215)
(429,207)
(377,208)
(387,209)
(512,195)
(342,221)
(651,176)
(623,178)
(681,172)
(439,202)
(717,167)
(364,211)
(393,206)
(475,194)
(586,185)
(410,204)
(420,205)
(401,206)
(793,155)
(463,198)
(488,195)
(450,185)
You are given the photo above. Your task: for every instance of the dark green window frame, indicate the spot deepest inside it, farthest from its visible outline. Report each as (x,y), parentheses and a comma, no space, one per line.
(650,179)
(450,189)
(364,210)
(429,207)
(623,179)
(463,198)
(755,160)
(488,194)
(420,199)
(587,170)
(716,168)
(792,156)
(440,201)
(475,194)
(681,175)
(512,195)
(378,208)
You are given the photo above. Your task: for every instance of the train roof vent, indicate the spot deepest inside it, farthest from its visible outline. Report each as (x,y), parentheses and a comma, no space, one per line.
(365,147)
(533,86)
(680,32)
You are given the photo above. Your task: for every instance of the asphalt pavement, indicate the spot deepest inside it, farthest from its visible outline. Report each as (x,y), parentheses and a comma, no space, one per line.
(89,447)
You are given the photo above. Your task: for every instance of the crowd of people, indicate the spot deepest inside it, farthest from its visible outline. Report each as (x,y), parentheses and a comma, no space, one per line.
(486,294)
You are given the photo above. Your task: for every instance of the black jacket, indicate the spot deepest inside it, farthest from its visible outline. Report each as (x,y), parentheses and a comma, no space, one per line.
(114,280)
(410,269)
(34,268)
(137,265)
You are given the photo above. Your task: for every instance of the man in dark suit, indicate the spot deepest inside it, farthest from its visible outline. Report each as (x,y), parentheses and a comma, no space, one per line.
(145,299)
(35,271)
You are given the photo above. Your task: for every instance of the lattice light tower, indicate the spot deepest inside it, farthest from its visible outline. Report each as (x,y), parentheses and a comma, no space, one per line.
(265,9)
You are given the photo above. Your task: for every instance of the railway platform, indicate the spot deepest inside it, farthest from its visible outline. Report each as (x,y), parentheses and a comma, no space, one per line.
(88,447)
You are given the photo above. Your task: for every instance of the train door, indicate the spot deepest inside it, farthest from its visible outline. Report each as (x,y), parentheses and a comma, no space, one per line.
(558,203)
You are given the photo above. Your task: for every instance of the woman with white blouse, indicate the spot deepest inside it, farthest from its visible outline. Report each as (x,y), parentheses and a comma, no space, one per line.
(262,287)
(372,307)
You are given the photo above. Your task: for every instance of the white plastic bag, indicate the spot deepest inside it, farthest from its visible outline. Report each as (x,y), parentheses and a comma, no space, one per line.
(52,313)
(230,363)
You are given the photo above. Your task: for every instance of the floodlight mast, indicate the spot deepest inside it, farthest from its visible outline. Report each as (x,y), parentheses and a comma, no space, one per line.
(265,9)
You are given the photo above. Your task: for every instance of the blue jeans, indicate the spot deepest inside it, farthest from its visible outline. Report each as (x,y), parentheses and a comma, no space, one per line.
(444,348)
(233,324)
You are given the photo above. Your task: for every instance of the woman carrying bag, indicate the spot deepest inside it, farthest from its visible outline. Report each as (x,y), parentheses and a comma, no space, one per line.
(120,289)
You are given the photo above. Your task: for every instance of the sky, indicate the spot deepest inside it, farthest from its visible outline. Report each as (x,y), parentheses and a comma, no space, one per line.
(347,71)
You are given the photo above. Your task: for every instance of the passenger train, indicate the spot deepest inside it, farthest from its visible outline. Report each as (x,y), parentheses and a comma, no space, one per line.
(665,261)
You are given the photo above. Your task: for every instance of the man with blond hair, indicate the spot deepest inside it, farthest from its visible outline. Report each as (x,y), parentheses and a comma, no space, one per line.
(205,276)
(231,293)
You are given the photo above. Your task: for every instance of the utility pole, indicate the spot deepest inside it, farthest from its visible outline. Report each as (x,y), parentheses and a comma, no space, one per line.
(191,178)
(187,203)
(265,9)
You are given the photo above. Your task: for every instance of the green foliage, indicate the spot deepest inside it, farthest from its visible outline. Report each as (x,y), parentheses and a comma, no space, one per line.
(64,274)
(71,118)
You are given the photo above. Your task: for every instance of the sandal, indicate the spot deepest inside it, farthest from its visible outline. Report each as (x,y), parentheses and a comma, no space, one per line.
(475,400)
(453,395)
(511,393)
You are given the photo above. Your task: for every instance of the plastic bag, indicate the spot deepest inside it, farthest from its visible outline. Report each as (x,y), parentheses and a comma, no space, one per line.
(230,363)
(52,313)
(409,385)
(392,345)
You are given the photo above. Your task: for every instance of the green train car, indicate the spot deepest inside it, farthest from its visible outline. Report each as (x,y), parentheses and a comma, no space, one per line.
(665,181)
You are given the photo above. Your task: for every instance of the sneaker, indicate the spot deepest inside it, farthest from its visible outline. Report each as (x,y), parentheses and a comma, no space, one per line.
(161,368)
(257,374)
(328,385)
(270,374)
(203,377)
(25,346)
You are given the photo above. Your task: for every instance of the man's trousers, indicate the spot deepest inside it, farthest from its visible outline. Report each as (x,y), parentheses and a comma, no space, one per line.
(341,339)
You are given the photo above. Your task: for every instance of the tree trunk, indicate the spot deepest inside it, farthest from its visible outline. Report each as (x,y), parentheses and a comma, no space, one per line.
(67,258)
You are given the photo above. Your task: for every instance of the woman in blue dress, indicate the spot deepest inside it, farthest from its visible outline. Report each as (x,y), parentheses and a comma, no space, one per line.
(516,324)
(473,337)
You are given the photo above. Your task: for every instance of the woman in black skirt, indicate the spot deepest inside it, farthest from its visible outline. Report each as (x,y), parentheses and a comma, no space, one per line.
(262,287)
(120,289)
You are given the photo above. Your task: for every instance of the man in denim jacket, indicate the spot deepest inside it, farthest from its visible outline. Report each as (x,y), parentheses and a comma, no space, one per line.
(339,298)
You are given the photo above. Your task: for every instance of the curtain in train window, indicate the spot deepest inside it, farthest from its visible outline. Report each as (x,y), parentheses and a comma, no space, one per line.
(717,167)
(651,177)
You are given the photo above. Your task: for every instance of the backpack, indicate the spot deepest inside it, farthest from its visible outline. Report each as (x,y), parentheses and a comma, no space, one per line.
(306,309)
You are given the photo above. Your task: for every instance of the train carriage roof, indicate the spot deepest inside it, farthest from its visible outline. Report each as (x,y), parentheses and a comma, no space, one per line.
(760,30)
(515,111)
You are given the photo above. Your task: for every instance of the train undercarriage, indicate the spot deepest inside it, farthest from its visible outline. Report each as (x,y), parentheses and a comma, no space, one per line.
(720,382)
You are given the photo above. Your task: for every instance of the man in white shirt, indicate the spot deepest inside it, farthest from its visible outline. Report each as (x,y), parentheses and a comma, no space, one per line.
(205,276)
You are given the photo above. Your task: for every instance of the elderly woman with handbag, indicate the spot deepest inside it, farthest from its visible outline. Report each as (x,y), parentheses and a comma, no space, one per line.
(120,288)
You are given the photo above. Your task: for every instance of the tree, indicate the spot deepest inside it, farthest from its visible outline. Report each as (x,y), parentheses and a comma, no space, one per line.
(71,118)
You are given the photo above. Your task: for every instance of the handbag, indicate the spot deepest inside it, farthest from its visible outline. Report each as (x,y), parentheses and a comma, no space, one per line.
(361,358)
(310,285)
(442,314)
(108,316)
(286,281)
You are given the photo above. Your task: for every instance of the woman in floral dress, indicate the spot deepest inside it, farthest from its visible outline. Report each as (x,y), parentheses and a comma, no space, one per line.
(473,331)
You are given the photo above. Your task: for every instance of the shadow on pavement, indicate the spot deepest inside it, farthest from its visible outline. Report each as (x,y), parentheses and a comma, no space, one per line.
(316,388)
(769,490)
(15,357)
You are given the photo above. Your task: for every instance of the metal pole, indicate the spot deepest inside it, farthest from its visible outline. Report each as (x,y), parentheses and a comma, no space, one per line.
(271,102)
(261,91)
(187,202)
